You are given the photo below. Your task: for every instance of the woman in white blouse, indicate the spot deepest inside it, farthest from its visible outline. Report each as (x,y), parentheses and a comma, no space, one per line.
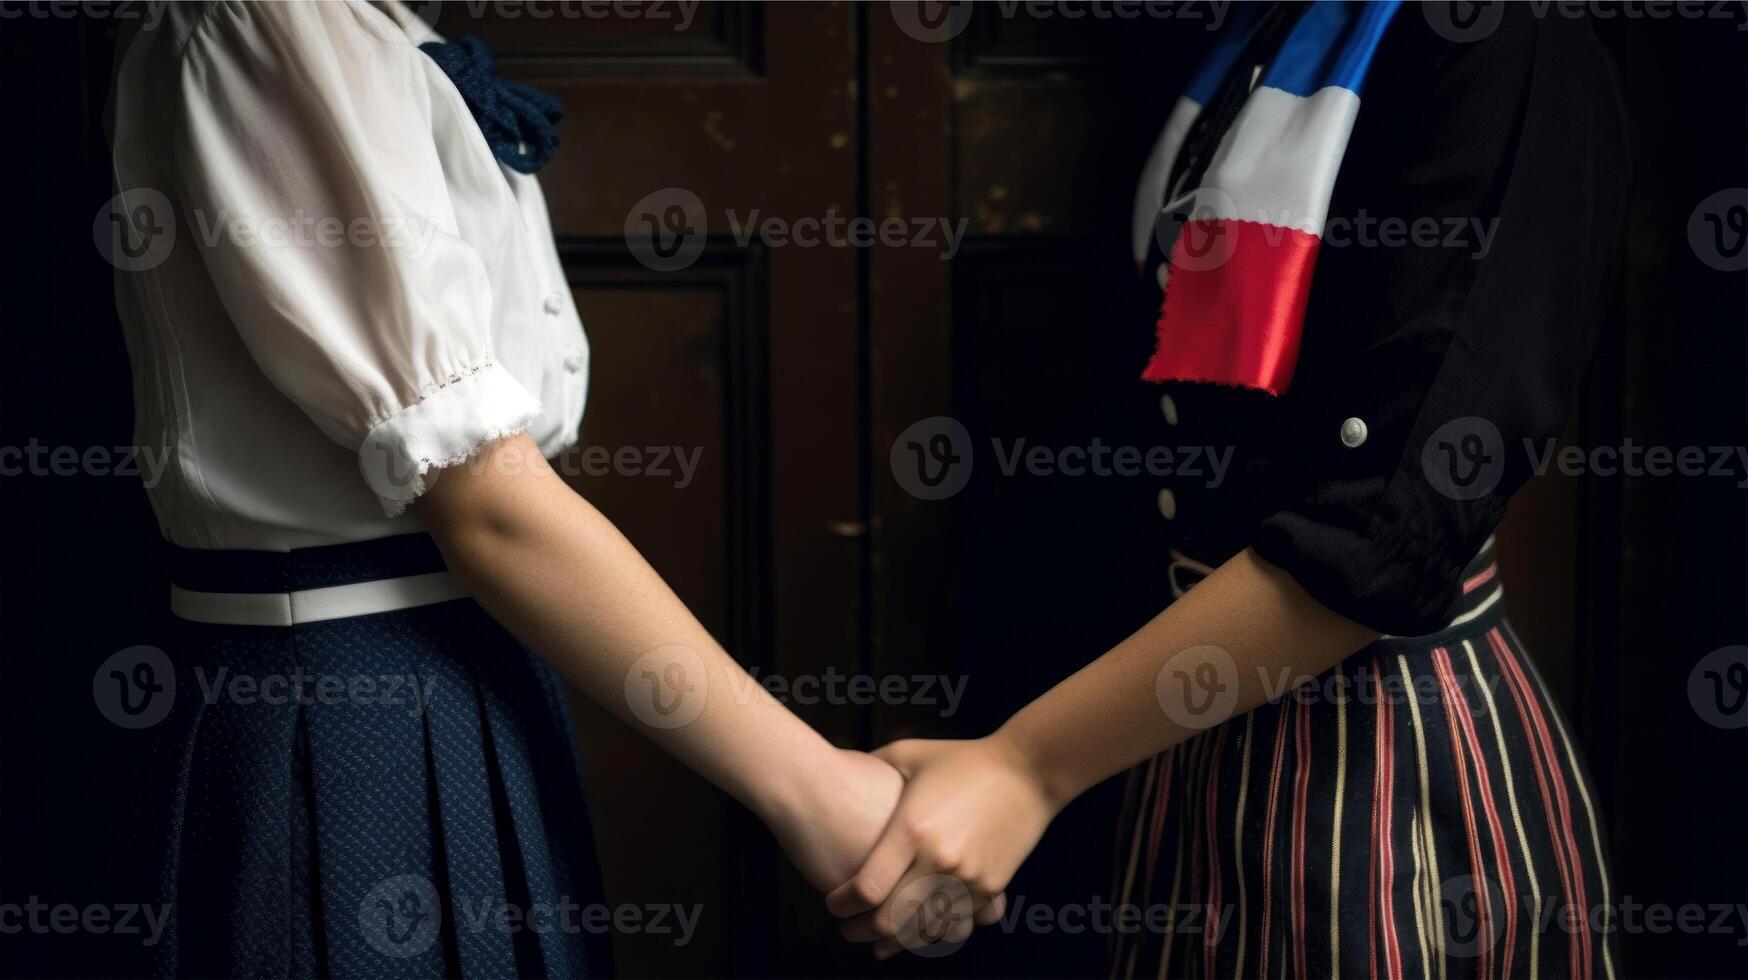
(358,353)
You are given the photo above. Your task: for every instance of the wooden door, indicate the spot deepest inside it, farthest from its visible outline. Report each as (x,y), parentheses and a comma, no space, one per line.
(790,369)
(722,427)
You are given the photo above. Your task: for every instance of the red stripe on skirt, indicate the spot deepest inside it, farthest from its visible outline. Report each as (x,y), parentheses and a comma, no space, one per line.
(1210,934)
(1542,747)
(1386,763)
(1460,756)
(1268,841)
(1495,826)
(1481,578)
(1161,797)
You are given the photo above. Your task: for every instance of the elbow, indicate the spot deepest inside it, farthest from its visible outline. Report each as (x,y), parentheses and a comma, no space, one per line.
(482,512)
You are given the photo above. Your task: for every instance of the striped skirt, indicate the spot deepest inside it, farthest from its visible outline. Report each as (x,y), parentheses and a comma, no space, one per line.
(389,794)
(1421,810)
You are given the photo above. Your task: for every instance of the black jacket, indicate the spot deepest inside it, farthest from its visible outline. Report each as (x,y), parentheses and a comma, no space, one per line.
(1469,258)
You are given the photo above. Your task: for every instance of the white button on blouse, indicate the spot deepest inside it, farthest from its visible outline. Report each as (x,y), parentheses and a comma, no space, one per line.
(357,292)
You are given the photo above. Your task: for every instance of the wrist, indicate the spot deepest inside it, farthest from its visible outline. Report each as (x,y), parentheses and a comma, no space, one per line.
(795,781)
(1014,746)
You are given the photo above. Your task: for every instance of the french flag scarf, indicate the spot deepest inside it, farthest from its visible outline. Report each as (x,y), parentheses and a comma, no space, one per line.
(1242,242)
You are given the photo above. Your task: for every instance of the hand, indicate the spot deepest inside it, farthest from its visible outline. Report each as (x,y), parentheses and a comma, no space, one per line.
(832,822)
(972,810)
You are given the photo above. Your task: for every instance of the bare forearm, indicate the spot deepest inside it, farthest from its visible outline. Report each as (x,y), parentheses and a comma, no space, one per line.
(561,578)
(1109,715)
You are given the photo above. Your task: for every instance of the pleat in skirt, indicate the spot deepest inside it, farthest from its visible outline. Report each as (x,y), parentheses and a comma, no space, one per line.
(1421,810)
(386,795)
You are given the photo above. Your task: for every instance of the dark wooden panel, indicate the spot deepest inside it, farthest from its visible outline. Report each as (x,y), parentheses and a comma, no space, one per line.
(754,354)
(677,366)
(1038,157)
(817,397)
(910,152)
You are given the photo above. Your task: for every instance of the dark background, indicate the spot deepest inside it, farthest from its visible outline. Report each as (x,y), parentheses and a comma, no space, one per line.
(795,369)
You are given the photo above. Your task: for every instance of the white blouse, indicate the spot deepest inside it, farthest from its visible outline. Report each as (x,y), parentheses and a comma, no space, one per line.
(355,294)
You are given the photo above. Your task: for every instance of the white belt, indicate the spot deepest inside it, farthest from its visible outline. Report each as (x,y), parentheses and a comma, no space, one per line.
(314,605)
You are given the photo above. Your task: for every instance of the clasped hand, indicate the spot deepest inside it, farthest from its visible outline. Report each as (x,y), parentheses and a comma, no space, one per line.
(969,813)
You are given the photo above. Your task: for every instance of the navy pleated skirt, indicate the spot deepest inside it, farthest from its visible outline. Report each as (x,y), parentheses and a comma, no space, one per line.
(1420,810)
(385,795)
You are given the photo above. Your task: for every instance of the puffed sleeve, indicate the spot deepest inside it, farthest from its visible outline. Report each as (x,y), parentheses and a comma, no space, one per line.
(1461,353)
(321,203)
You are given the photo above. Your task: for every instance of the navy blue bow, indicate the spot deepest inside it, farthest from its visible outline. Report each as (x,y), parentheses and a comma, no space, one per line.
(517,120)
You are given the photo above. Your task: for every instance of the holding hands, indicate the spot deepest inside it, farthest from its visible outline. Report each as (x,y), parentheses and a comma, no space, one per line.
(970,813)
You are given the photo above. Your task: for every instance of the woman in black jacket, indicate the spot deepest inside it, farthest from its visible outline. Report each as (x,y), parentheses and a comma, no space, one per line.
(1343,762)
